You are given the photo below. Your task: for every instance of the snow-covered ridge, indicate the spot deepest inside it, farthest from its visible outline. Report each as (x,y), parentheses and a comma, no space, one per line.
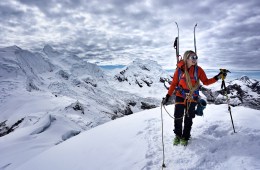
(138,145)
(48,97)
(15,61)
(51,72)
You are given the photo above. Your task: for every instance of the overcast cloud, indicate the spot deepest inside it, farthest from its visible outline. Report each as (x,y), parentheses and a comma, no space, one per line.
(118,31)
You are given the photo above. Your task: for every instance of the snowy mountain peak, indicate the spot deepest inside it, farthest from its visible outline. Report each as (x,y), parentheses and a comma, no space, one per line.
(48,48)
(246,80)
(15,62)
(13,48)
(146,65)
(142,73)
(49,51)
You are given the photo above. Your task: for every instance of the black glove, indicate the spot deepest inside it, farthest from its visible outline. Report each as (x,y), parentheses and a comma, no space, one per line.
(219,76)
(166,99)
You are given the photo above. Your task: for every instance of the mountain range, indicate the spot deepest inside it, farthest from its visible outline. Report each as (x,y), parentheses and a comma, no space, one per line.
(48,97)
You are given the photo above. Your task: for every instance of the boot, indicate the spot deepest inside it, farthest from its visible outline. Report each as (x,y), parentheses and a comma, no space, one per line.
(183,142)
(176,140)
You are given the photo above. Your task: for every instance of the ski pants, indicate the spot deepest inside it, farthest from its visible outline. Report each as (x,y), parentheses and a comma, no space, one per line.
(179,113)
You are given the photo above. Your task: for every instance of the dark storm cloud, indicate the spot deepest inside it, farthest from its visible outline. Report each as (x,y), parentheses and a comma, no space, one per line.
(111,29)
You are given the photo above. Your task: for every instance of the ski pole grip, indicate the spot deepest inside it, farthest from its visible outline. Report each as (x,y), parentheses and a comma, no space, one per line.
(224,73)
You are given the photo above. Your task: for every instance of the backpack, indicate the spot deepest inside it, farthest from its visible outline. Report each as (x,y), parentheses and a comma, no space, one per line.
(180,72)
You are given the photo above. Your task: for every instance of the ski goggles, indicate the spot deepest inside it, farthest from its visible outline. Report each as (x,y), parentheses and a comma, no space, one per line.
(193,57)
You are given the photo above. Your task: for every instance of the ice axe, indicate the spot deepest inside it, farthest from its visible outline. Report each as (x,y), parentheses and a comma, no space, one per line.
(223,86)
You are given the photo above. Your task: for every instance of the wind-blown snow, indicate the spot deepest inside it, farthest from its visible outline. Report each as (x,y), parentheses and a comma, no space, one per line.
(134,142)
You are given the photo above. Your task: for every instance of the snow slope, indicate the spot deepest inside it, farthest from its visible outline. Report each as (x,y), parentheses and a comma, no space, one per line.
(49,97)
(134,142)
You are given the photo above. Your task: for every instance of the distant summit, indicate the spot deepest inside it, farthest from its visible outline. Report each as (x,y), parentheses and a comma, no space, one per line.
(48,48)
(142,73)
(11,48)
(49,51)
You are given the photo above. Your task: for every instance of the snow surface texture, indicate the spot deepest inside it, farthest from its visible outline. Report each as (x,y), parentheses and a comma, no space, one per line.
(48,97)
(134,142)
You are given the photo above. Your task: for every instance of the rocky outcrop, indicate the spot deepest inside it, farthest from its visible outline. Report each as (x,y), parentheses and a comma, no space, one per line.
(241,92)
(4,129)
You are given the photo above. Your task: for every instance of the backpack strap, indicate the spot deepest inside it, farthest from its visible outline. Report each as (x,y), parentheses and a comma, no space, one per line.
(196,77)
(179,74)
(183,92)
(196,73)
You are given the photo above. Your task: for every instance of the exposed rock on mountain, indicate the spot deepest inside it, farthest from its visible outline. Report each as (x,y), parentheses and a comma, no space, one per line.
(243,91)
(142,73)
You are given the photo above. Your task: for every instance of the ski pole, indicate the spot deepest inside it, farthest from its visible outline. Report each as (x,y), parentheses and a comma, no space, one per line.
(223,86)
(163,164)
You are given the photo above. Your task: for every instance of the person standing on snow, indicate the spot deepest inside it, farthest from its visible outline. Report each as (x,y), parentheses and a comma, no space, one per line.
(186,83)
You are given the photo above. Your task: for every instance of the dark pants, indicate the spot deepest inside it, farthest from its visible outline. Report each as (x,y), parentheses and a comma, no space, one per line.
(179,112)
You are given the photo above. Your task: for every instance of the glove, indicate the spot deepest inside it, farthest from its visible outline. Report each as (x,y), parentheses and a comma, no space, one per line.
(220,75)
(166,99)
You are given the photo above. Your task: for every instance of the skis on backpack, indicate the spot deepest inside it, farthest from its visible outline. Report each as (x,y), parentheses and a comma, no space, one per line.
(195,47)
(176,44)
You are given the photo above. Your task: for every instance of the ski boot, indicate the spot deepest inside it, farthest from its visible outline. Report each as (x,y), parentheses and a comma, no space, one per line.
(176,140)
(183,142)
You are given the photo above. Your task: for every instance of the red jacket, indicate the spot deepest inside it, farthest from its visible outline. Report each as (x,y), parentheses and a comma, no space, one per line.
(182,82)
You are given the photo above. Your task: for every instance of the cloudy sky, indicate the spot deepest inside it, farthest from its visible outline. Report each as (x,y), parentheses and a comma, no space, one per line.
(109,32)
